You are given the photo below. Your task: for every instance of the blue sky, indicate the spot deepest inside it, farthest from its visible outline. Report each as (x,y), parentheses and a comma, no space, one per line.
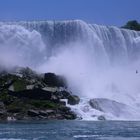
(105,12)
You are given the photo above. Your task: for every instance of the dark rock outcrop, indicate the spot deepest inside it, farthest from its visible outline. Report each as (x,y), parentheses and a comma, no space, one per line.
(73,100)
(26,95)
(39,94)
(36,94)
(33,113)
(54,80)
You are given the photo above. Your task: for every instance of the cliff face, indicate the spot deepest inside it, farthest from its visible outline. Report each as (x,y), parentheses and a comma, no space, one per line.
(26,95)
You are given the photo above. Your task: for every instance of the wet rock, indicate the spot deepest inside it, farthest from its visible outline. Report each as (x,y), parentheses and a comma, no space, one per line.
(101,118)
(70,116)
(2,105)
(14,110)
(59,116)
(43,113)
(73,100)
(49,111)
(94,103)
(37,94)
(33,113)
(2,112)
(64,109)
(26,95)
(54,80)
(19,116)
(67,113)
(42,117)
(63,102)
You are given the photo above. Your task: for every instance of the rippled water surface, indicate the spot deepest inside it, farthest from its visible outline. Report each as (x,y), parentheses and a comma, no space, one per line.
(71,130)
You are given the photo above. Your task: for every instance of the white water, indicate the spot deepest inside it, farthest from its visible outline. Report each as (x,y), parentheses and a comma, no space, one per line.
(98,61)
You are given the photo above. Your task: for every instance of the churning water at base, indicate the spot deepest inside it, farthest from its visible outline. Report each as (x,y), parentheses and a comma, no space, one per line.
(70,130)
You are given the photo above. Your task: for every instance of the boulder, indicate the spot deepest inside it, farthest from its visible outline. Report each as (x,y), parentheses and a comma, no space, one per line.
(113,107)
(67,113)
(27,73)
(2,105)
(94,103)
(101,118)
(39,94)
(73,100)
(53,80)
(43,113)
(14,110)
(36,94)
(33,113)
(64,109)
(2,112)
(59,116)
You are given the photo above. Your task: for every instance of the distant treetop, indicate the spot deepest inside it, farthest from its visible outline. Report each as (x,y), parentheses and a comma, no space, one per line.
(132,25)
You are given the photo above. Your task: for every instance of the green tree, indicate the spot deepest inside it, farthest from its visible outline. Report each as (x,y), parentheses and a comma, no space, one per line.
(132,25)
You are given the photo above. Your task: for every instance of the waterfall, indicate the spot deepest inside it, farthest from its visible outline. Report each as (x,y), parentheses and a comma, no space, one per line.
(98,61)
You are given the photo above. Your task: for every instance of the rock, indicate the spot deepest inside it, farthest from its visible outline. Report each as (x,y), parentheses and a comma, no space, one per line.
(73,100)
(110,106)
(64,109)
(14,110)
(42,117)
(54,97)
(101,118)
(43,113)
(2,112)
(70,116)
(53,80)
(37,94)
(49,111)
(27,73)
(2,105)
(5,82)
(26,95)
(30,87)
(63,102)
(66,113)
(51,117)
(19,116)
(59,116)
(33,113)
(63,94)
(94,103)
(51,89)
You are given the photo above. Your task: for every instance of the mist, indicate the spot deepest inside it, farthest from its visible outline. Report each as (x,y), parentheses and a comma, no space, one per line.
(20,47)
(90,79)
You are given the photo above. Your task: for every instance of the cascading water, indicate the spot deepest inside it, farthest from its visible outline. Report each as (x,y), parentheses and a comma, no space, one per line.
(98,61)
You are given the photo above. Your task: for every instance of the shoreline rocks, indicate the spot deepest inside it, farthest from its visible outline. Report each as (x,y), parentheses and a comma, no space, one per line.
(26,95)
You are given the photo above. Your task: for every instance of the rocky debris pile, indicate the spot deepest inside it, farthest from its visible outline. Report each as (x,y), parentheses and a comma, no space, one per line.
(25,95)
